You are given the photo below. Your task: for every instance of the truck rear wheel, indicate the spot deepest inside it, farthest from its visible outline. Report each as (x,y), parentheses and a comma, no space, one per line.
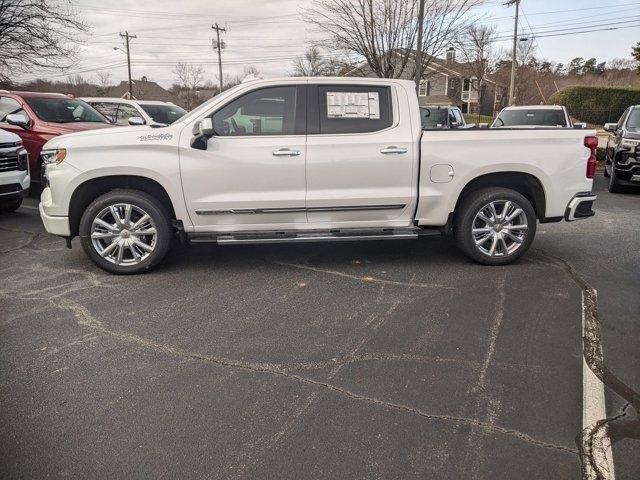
(125,232)
(494,226)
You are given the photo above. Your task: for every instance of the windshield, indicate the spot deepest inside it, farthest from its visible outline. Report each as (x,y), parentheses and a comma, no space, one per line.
(166,114)
(531,118)
(64,110)
(633,123)
(432,117)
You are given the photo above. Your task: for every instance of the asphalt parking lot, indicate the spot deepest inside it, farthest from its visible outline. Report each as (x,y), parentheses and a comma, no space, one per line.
(364,360)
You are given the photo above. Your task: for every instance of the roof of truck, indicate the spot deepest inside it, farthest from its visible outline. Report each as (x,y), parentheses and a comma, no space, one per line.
(38,94)
(125,100)
(535,107)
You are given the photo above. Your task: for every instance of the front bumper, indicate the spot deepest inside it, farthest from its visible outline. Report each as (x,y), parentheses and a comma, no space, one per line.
(55,224)
(580,206)
(13,191)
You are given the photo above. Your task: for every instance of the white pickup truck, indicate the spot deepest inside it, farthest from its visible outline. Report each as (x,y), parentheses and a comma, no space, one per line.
(311,159)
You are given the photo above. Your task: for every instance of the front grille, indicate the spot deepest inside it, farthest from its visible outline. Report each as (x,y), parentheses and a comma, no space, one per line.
(10,159)
(8,163)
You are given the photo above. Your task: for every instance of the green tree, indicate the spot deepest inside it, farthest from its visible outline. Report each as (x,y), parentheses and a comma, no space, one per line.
(576,66)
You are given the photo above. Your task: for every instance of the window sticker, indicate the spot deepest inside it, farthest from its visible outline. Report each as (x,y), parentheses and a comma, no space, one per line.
(353,105)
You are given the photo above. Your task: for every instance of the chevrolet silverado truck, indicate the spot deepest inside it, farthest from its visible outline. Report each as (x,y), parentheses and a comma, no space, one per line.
(307,160)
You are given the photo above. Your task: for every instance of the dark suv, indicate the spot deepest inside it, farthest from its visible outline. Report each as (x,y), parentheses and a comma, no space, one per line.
(622,163)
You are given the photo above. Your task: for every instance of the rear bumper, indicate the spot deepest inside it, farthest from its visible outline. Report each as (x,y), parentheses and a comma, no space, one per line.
(580,206)
(55,225)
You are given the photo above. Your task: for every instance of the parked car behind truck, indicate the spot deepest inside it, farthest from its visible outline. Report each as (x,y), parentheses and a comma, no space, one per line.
(14,172)
(533,116)
(622,162)
(311,159)
(122,111)
(38,117)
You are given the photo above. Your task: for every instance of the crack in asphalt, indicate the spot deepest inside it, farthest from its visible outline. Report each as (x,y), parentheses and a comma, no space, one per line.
(592,439)
(85,318)
(365,279)
(32,238)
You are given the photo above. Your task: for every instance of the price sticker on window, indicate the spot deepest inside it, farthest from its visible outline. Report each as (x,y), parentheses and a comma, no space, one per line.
(353,105)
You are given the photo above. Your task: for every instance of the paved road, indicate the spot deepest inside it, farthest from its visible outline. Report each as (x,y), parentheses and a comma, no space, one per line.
(364,360)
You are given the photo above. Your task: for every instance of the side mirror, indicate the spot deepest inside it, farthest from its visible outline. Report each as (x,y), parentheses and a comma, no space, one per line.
(611,127)
(205,127)
(136,121)
(455,124)
(18,119)
(202,131)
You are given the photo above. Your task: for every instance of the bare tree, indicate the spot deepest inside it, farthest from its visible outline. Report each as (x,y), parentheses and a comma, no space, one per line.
(189,79)
(384,32)
(38,34)
(475,46)
(104,82)
(311,64)
(525,52)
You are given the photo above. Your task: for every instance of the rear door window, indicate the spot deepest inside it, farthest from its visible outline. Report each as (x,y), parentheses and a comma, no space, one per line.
(353,109)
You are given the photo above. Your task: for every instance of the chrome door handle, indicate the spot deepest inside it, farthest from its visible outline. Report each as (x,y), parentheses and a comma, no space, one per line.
(393,149)
(286,152)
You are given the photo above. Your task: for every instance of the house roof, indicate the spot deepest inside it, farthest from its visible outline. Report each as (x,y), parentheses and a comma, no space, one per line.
(143,89)
(457,69)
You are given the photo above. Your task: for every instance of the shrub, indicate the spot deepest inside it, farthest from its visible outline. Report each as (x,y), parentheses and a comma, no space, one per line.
(596,105)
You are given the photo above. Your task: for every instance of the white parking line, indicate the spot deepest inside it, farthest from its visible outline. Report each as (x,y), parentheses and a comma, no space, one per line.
(593,410)
(29,207)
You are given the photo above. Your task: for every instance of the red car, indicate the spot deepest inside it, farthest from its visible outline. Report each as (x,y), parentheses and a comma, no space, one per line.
(38,117)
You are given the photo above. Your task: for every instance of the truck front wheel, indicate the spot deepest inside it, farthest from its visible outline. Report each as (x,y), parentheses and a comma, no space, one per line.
(125,232)
(494,226)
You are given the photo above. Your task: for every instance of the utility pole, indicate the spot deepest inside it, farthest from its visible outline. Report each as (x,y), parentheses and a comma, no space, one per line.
(512,85)
(127,37)
(219,46)
(418,78)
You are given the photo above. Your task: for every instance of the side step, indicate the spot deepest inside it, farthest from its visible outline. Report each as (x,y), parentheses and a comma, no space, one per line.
(314,236)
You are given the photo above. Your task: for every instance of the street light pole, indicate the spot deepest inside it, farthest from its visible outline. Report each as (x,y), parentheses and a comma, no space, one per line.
(512,84)
(126,37)
(219,47)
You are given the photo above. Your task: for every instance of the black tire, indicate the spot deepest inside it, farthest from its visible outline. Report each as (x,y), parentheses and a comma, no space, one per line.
(9,206)
(606,172)
(144,202)
(614,185)
(472,205)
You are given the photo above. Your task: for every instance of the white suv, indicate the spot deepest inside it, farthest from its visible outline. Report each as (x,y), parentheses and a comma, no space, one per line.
(14,172)
(137,112)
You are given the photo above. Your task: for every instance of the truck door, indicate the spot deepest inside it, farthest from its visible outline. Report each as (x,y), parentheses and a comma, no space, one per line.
(361,156)
(252,173)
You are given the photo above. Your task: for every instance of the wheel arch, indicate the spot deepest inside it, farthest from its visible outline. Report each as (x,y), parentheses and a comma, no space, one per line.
(524,183)
(88,191)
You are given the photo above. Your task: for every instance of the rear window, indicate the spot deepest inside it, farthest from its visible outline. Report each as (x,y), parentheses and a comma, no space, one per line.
(63,110)
(433,117)
(531,118)
(354,108)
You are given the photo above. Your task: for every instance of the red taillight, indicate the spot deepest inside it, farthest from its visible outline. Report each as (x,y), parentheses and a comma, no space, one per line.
(592,144)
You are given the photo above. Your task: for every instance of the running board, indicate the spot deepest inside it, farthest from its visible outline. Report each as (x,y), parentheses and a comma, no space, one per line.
(316,236)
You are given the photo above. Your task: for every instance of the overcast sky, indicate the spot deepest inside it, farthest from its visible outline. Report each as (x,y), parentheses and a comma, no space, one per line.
(268,34)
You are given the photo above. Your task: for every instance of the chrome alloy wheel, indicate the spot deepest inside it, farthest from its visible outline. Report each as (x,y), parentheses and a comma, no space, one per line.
(499,228)
(123,234)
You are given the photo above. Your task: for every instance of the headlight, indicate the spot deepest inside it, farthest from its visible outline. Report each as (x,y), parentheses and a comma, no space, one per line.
(626,142)
(54,155)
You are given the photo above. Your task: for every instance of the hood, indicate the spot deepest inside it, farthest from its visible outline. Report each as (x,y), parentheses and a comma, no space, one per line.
(64,128)
(632,135)
(113,136)
(9,137)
